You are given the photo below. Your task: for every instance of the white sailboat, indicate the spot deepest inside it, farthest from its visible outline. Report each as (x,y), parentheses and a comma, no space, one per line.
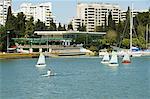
(114,59)
(105,59)
(41,61)
(131,52)
(126,59)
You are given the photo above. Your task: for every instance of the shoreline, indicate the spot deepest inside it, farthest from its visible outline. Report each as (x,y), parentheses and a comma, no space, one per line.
(18,55)
(33,55)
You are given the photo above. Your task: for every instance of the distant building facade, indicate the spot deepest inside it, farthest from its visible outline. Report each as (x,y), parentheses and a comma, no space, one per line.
(76,22)
(94,14)
(42,11)
(123,14)
(4,4)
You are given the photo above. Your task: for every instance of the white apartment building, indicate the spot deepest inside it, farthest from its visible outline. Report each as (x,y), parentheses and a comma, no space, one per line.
(76,22)
(42,11)
(4,4)
(123,14)
(93,14)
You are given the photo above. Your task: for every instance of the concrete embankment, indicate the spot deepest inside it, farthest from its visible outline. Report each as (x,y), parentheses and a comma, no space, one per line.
(18,55)
(55,53)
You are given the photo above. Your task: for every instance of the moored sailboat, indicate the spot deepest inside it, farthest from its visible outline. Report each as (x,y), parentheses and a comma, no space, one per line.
(131,52)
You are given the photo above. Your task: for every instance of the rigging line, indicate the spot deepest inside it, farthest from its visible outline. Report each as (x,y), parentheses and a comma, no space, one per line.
(136,34)
(126,23)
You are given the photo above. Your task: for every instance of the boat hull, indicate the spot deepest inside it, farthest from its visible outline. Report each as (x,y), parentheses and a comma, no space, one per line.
(126,62)
(135,54)
(43,65)
(104,62)
(113,65)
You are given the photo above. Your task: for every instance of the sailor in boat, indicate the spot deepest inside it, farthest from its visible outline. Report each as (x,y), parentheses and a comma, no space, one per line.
(49,72)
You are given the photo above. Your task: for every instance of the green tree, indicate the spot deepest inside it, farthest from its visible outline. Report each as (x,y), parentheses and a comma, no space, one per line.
(52,26)
(10,26)
(20,27)
(111,36)
(127,24)
(125,43)
(119,29)
(111,22)
(141,30)
(10,21)
(2,38)
(64,28)
(70,27)
(80,39)
(140,42)
(143,18)
(60,28)
(40,26)
(29,27)
(81,28)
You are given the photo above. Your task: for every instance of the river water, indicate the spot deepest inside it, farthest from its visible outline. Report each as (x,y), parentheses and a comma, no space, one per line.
(76,78)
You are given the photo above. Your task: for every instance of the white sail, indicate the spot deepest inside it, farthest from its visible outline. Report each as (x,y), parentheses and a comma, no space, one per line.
(114,59)
(126,57)
(41,61)
(105,58)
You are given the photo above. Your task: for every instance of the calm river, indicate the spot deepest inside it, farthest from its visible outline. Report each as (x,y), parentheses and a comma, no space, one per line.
(77,78)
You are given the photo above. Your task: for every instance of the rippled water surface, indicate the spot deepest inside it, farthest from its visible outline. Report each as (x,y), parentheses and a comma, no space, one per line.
(76,78)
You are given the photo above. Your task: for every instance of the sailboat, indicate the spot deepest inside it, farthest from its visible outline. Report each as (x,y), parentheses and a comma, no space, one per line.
(41,61)
(126,59)
(131,52)
(105,59)
(114,59)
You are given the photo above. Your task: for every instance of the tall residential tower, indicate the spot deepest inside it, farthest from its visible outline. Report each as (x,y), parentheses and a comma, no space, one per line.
(42,11)
(4,4)
(94,14)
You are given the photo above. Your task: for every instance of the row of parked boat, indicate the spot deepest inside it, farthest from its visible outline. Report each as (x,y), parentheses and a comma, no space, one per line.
(113,60)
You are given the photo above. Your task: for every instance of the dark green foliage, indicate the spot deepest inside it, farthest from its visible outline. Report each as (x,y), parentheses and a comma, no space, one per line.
(111,22)
(40,26)
(81,28)
(20,26)
(10,21)
(29,27)
(64,28)
(142,18)
(80,39)
(70,27)
(60,28)
(52,26)
(2,38)
(119,29)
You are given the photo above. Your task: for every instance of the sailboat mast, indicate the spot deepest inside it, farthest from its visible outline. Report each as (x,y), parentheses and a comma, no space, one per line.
(147,36)
(131,26)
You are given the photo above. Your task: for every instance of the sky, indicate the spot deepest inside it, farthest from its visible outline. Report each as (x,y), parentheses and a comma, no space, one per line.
(65,10)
